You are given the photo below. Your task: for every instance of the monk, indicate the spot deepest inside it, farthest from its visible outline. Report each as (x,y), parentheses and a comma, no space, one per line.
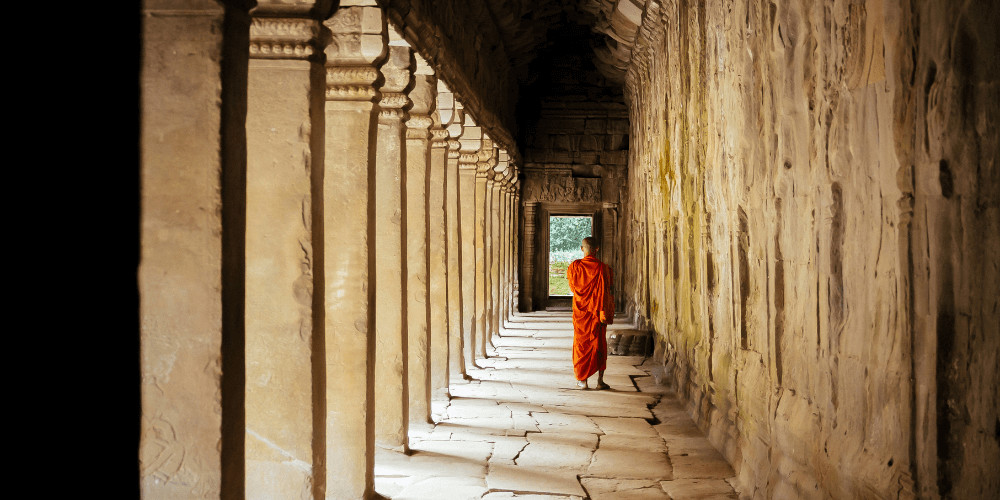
(593,310)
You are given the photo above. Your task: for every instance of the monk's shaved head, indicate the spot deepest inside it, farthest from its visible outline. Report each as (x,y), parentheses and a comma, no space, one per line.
(589,245)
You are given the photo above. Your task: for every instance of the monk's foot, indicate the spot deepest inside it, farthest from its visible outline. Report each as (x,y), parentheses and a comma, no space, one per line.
(581,384)
(601,386)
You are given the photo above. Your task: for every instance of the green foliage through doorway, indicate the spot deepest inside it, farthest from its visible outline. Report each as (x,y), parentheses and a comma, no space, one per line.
(565,235)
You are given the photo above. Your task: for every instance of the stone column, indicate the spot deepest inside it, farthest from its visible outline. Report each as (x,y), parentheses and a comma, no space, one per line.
(497,243)
(456,317)
(516,225)
(526,292)
(282,454)
(485,161)
(358,46)
(181,274)
(506,238)
(470,142)
(391,369)
(418,152)
(437,249)
(487,269)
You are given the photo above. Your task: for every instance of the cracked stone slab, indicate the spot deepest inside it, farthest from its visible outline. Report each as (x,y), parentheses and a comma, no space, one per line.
(700,489)
(507,448)
(570,450)
(613,489)
(459,488)
(424,464)
(630,464)
(476,452)
(625,426)
(507,495)
(556,420)
(520,479)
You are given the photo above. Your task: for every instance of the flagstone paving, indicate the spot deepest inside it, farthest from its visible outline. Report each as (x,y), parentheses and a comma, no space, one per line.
(520,429)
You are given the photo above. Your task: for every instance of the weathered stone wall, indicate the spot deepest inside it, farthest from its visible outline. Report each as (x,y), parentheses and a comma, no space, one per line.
(813,224)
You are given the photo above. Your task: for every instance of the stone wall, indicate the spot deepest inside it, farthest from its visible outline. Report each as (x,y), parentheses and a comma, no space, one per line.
(812,220)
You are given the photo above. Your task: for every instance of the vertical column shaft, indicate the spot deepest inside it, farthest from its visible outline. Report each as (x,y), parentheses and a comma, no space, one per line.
(391,325)
(526,291)
(467,194)
(470,142)
(479,324)
(487,269)
(417,263)
(456,315)
(280,404)
(346,191)
(182,239)
(496,244)
(437,249)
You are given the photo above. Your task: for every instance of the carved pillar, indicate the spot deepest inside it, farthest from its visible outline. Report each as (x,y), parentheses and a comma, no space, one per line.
(183,233)
(610,246)
(516,225)
(391,369)
(456,316)
(485,161)
(280,263)
(417,264)
(502,250)
(526,291)
(507,291)
(437,250)
(470,142)
(358,46)
(487,270)
(495,244)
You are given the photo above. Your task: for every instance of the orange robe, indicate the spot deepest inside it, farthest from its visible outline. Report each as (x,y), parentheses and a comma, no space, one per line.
(593,308)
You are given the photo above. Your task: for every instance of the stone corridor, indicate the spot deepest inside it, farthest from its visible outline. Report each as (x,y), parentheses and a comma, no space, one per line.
(520,429)
(344,248)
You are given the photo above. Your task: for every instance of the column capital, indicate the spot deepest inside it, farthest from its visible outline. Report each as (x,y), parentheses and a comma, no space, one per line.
(398,73)
(418,126)
(283,37)
(468,161)
(454,148)
(487,156)
(358,44)
(439,138)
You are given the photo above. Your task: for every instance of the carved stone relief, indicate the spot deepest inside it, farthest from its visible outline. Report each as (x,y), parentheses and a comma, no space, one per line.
(562,189)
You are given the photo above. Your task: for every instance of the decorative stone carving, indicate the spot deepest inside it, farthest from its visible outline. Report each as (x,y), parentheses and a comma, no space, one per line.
(562,189)
(439,138)
(392,105)
(357,43)
(282,38)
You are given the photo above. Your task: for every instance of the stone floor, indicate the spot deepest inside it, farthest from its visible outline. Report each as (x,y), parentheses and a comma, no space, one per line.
(521,430)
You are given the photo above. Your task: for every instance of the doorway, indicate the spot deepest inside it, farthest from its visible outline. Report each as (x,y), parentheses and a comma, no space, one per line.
(565,235)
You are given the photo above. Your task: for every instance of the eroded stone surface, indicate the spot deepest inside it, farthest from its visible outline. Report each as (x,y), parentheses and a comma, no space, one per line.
(610,489)
(799,174)
(702,489)
(521,429)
